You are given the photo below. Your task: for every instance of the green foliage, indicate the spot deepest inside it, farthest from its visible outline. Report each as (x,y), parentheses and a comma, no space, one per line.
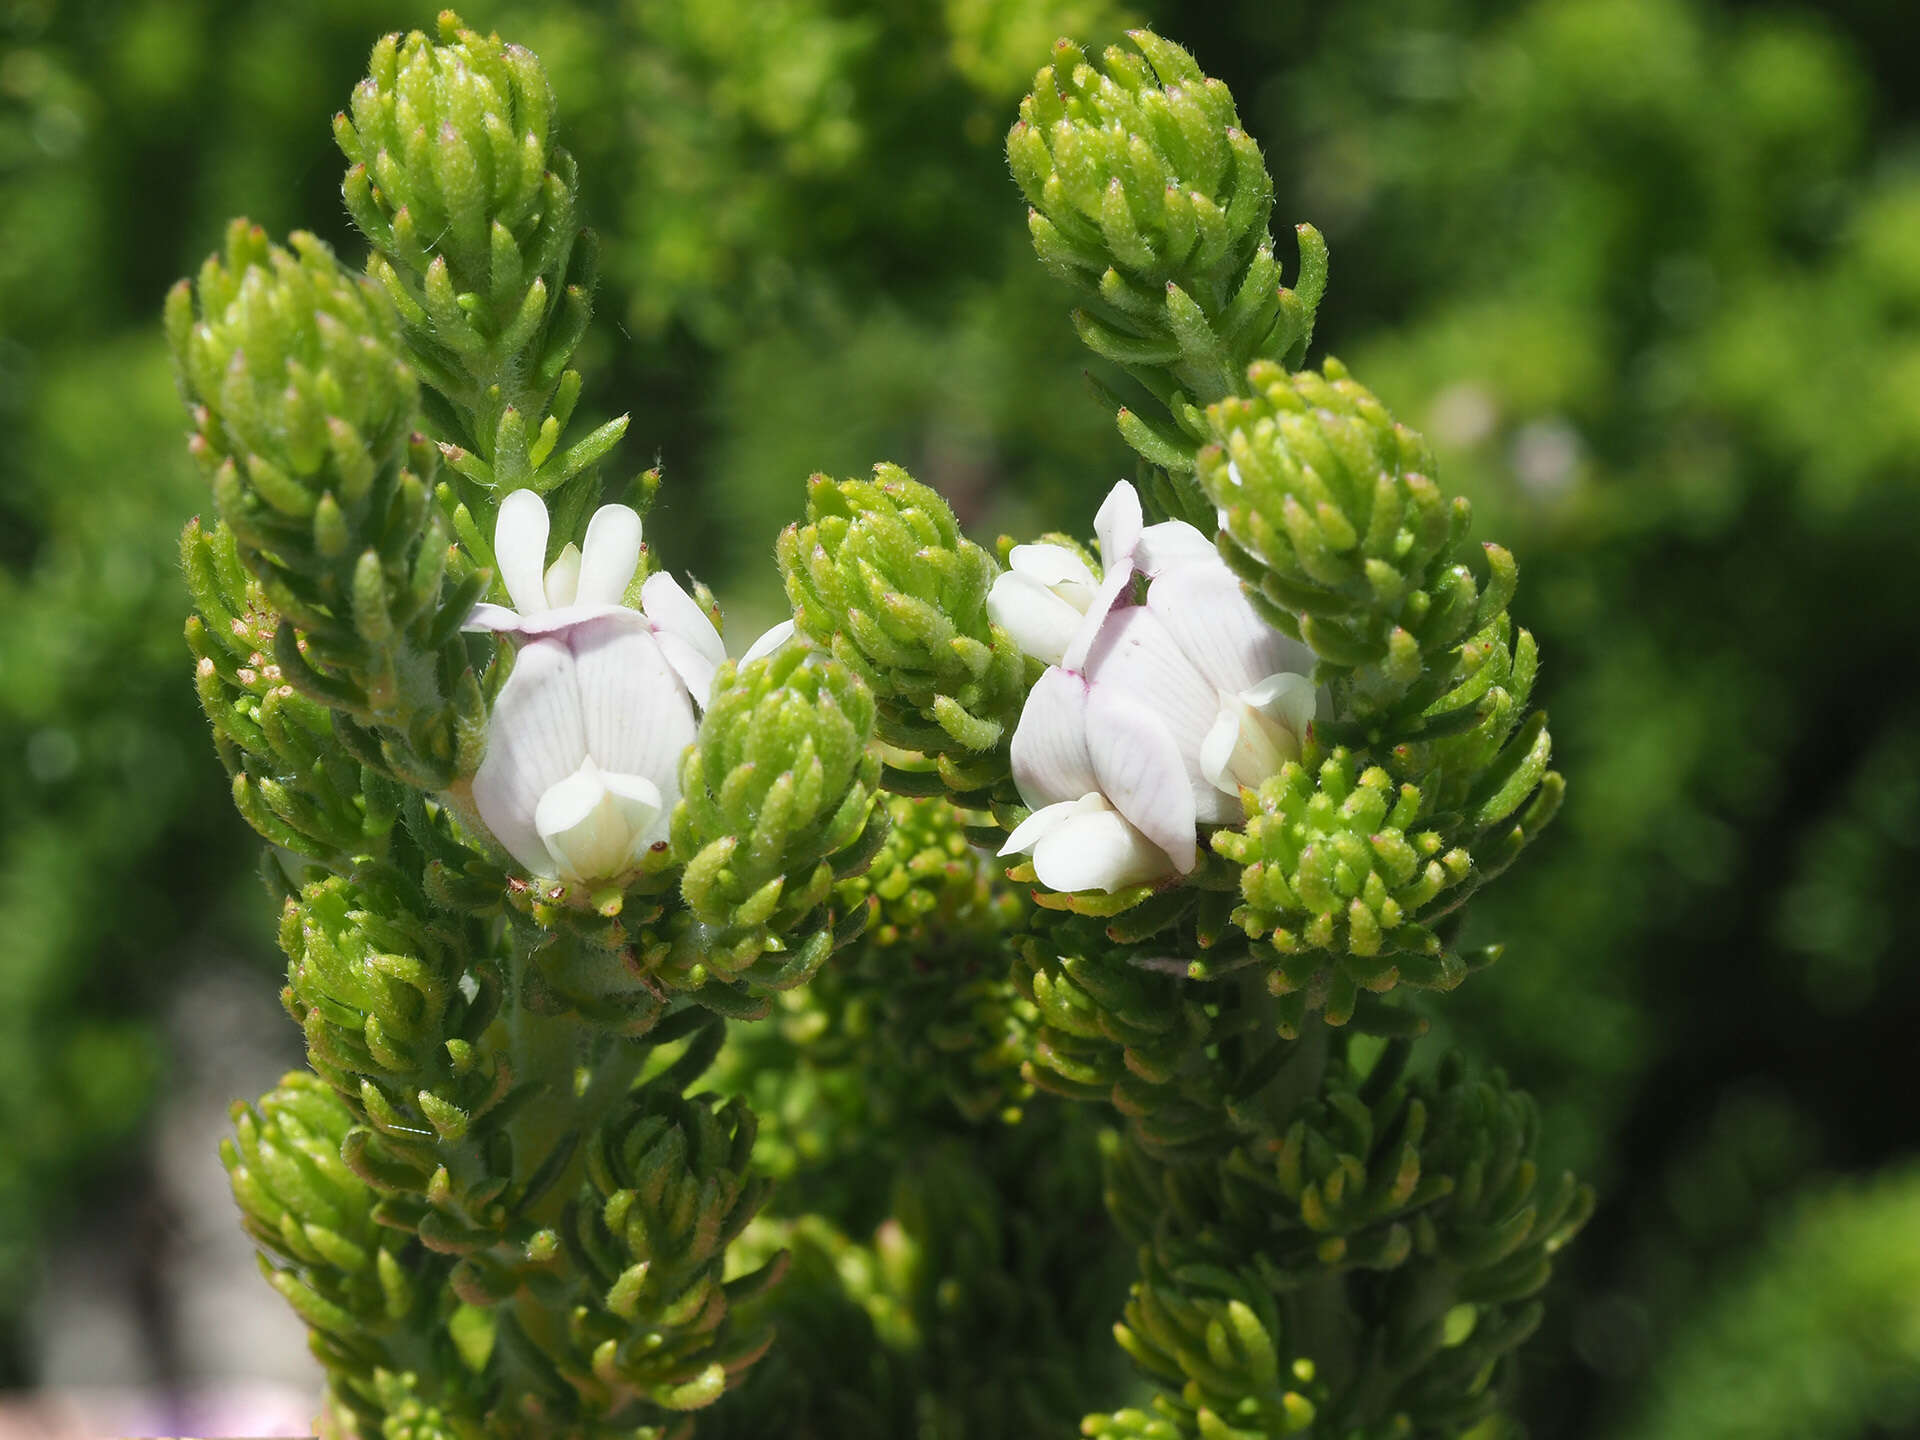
(1641,269)
(303,416)
(1346,542)
(778,802)
(927,980)
(668,1189)
(881,577)
(367,1292)
(1832,1287)
(1152,202)
(472,213)
(396,1024)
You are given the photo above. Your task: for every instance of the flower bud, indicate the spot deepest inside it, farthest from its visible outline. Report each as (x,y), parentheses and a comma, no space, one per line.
(780,800)
(881,578)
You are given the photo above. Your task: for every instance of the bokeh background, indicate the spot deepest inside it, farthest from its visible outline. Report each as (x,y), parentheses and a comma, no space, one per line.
(1646,271)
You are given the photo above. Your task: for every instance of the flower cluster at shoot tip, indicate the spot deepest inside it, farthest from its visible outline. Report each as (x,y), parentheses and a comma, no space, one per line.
(1165,697)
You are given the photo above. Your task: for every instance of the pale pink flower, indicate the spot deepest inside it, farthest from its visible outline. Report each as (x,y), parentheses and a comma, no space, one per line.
(1156,715)
(583,747)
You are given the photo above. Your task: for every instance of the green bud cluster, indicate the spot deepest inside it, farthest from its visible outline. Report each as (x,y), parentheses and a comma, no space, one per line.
(303,417)
(300,1202)
(471,210)
(1215,1339)
(926,982)
(292,780)
(1344,540)
(1111,1031)
(668,1188)
(1338,876)
(1150,200)
(881,577)
(779,801)
(367,1291)
(1428,1185)
(1452,1316)
(391,1026)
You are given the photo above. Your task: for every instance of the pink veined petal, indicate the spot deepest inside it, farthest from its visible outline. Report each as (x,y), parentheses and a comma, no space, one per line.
(1051,565)
(1037,620)
(636,716)
(1142,771)
(520,549)
(771,639)
(1138,657)
(1049,747)
(1105,601)
(563,577)
(1037,826)
(1097,850)
(535,738)
(1170,543)
(1117,524)
(1217,628)
(564,621)
(611,555)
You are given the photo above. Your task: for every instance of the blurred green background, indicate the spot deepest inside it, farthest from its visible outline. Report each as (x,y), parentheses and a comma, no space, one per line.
(1647,272)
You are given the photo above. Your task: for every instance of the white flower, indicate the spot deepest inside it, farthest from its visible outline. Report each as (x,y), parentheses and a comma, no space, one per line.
(1174,706)
(583,747)
(1050,601)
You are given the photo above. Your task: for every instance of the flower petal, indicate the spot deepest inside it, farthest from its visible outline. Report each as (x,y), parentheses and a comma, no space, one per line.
(612,554)
(648,813)
(536,737)
(771,639)
(1037,826)
(694,670)
(1037,620)
(1112,587)
(563,577)
(634,712)
(675,612)
(1214,624)
(1049,747)
(493,617)
(1142,771)
(1051,565)
(1216,751)
(591,827)
(1289,698)
(1137,655)
(1117,524)
(1170,543)
(520,549)
(1097,850)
